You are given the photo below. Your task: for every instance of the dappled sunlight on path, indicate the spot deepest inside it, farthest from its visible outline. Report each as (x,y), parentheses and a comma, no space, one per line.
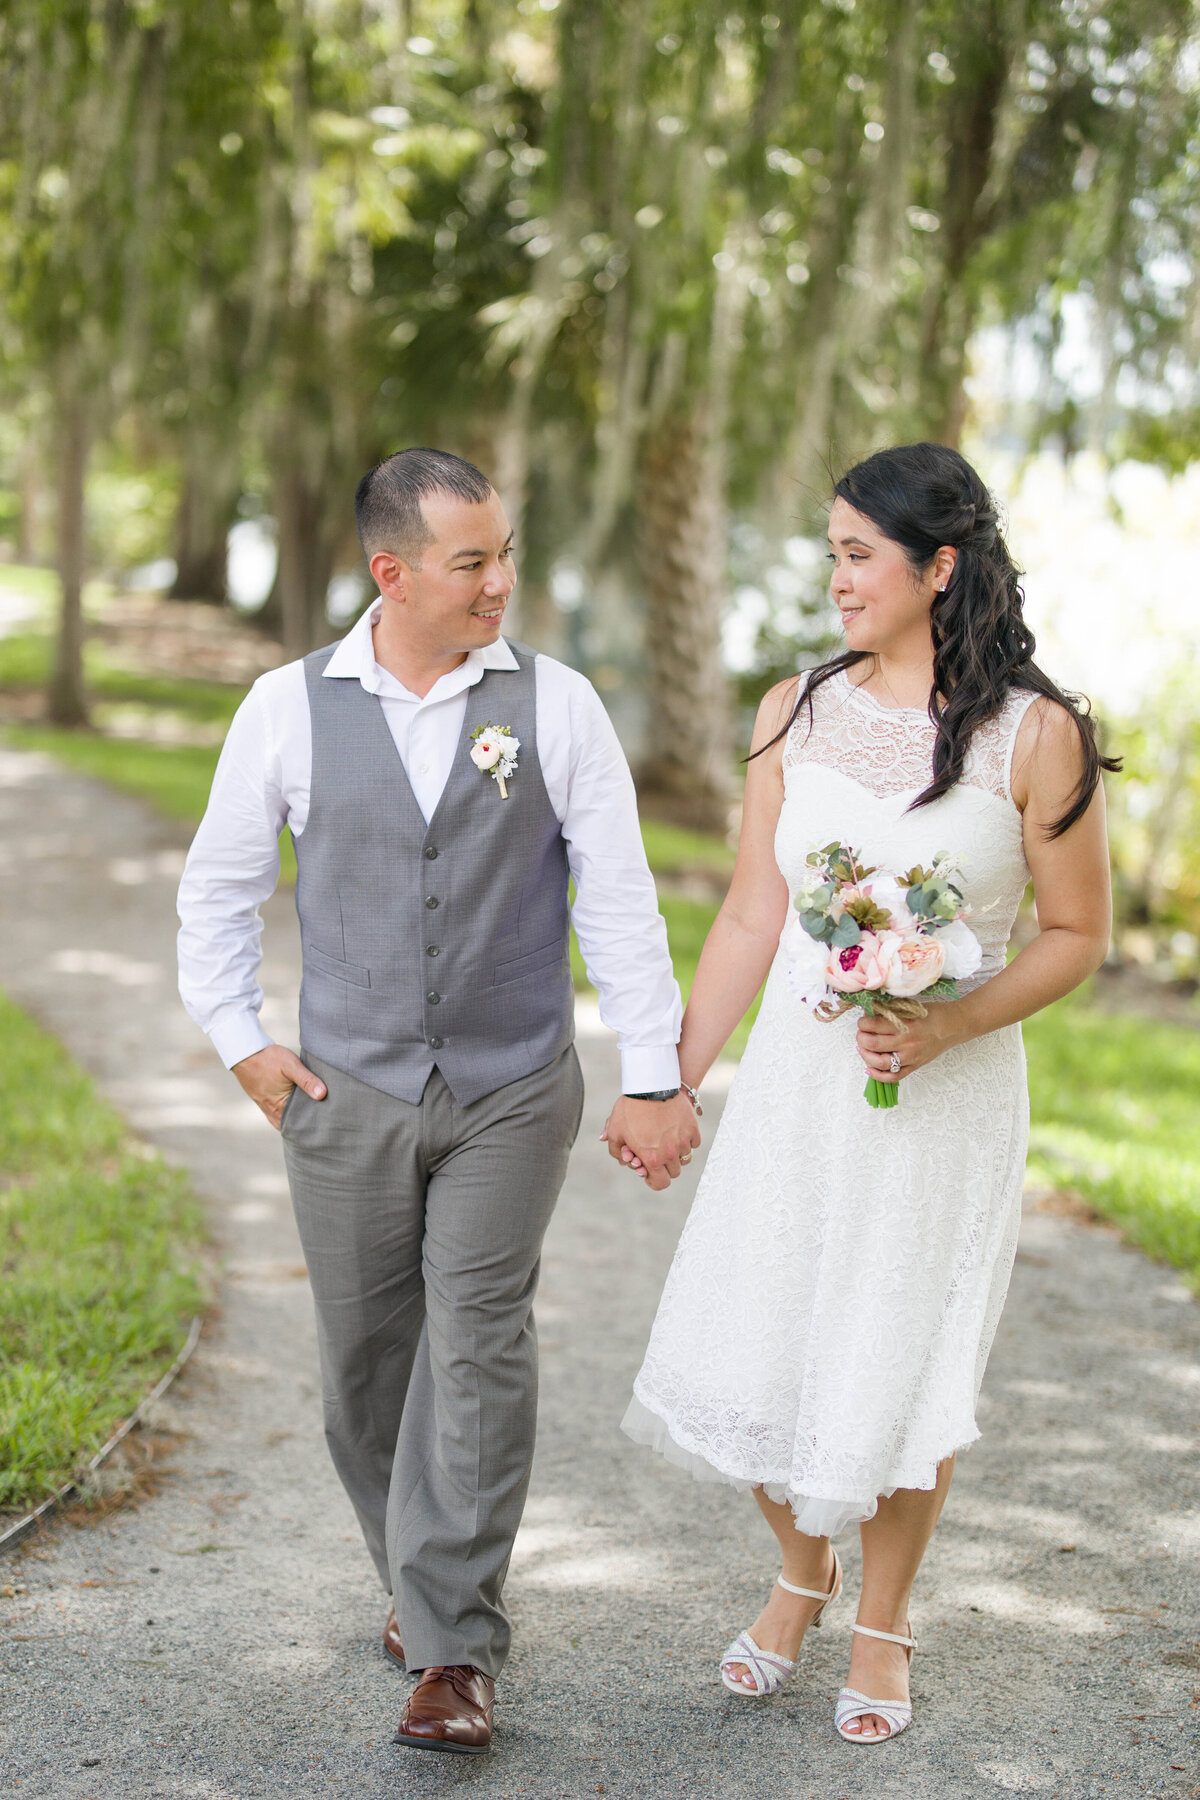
(222,1639)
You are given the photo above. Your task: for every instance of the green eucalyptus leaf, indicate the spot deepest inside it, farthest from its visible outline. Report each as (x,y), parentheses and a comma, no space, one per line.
(845,933)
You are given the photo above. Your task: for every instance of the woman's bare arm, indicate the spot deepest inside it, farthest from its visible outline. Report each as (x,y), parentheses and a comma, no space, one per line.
(1072,890)
(745,933)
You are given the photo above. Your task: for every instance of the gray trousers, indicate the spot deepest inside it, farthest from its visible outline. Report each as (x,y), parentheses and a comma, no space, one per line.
(422,1229)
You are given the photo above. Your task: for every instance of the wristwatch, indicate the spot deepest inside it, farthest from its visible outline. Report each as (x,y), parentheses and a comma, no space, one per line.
(659,1094)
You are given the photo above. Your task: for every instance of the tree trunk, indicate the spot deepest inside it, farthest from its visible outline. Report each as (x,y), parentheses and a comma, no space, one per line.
(66,699)
(305,562)
(206,510)
(812,446)
(28,497)
(268,618)
(545,307)
(1149,896)
(687,773)
(882,224)
(982,78)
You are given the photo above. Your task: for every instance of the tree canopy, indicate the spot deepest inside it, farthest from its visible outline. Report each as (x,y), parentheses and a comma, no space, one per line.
(651,265)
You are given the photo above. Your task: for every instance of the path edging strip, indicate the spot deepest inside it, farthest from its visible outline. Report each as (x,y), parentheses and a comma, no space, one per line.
(15,1533)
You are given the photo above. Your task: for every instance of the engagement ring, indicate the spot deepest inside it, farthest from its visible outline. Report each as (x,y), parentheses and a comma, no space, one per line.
(895,1063)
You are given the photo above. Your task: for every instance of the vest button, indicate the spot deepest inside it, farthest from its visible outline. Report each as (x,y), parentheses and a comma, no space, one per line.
(436,1043)
(433,999)
(431,854)
(431,903)
(433,950)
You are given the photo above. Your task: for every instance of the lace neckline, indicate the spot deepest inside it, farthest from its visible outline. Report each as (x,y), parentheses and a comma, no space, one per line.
(853,687)
(889,749)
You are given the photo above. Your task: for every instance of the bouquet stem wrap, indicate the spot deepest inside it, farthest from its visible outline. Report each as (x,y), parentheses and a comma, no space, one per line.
(876,1093)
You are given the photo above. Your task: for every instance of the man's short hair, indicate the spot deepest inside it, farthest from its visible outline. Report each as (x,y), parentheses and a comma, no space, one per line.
(387,501)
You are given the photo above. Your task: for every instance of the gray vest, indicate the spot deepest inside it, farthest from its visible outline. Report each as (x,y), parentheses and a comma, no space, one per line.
(441,945)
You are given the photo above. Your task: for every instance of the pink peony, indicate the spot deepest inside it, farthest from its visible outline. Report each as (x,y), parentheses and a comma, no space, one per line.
(915,963)
(863,965)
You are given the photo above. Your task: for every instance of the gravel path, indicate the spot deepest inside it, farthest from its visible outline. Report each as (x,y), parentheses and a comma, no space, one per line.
(222,1638)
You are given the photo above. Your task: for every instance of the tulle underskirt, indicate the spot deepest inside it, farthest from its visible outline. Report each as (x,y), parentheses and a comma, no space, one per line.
(815,1515)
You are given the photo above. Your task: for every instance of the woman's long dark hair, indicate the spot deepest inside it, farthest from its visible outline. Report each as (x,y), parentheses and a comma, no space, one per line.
(924,496)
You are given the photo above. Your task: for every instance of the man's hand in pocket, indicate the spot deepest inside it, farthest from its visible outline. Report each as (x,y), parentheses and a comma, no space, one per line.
(269,1077)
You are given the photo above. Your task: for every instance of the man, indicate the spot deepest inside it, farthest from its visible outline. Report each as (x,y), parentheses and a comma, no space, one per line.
(442,787)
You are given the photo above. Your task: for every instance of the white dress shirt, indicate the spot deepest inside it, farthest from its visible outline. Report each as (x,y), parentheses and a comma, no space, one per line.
(262,784)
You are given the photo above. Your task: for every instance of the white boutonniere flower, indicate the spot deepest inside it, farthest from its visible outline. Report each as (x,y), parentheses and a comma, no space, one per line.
(495,753)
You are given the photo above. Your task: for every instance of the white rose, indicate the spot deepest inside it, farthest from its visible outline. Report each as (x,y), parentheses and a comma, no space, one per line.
(487,750)
(963,950)
(886,892)
(805,963)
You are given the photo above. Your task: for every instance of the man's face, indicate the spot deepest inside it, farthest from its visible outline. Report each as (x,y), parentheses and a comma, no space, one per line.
(456,599)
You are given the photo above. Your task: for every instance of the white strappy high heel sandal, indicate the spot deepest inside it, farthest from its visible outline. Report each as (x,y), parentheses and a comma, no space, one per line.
(769,1670)
(853,1705)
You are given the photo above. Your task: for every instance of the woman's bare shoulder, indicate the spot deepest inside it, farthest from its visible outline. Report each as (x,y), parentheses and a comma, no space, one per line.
(776,707)
(1048,752)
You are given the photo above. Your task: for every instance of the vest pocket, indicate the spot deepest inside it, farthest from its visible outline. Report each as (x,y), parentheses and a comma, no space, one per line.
(546,958)
(333,965)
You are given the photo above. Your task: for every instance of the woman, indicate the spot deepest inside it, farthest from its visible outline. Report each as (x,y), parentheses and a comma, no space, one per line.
(826,1322)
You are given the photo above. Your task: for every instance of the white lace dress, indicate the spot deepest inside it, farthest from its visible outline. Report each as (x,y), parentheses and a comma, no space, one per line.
(834,1296)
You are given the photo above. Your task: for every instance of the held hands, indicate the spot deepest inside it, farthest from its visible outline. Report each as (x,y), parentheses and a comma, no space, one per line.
(269,1077)
(915,1042)
(653,1138)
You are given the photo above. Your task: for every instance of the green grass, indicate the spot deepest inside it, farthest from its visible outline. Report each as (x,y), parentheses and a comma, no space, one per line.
(100,1245)
(174,778)
(1113,1097)
(1115,1117)
(23,578)
(688,923)
(669,849)
(25,661)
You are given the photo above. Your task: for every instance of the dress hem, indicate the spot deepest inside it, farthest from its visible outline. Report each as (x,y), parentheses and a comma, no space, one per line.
(816,1515)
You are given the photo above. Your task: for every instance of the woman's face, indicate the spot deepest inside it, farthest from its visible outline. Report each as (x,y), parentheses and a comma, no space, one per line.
(883,600)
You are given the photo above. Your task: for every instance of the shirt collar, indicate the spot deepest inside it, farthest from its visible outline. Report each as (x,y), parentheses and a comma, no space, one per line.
(354,659)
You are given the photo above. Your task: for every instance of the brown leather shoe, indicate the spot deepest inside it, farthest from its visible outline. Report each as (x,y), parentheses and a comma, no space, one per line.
(449,1709)
(391,1639)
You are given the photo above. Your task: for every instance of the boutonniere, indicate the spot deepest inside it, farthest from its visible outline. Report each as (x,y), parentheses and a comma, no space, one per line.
(495,753)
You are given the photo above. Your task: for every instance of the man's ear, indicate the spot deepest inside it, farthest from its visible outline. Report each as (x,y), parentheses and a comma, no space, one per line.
(389,575)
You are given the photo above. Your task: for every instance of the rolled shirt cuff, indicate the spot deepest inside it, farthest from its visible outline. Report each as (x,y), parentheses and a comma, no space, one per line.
(236,1033)
(649,1068)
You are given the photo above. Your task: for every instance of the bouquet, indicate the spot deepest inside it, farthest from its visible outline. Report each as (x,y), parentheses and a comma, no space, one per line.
(877,939)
